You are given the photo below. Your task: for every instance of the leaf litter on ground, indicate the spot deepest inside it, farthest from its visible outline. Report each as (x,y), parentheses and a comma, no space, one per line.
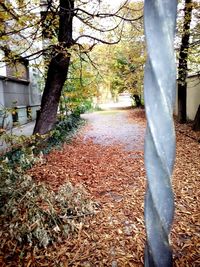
(114,179)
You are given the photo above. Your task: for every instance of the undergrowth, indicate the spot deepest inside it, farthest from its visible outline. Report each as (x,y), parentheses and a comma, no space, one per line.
(30,212)
(63,132)
(35,215)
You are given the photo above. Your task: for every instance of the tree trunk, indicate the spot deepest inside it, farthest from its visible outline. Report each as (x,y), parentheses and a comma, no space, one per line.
(56,76)
(183,60)
(57,71)
(137,101)
(182,101)
(196,124)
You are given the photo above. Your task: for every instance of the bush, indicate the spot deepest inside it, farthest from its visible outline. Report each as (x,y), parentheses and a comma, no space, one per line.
(32,213)
(62,132)
(38,216)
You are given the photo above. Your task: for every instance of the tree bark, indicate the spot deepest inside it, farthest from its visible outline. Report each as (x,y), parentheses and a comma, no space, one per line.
(137,101)
(183,64)
(57,70)
(57,74)
(196,124)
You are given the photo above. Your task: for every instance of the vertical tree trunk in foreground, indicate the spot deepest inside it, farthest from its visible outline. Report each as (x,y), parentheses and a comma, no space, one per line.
(57,71)
(183,66)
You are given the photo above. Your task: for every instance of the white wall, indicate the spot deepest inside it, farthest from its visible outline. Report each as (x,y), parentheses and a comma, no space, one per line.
(193,97)
(2,65)
(2,100)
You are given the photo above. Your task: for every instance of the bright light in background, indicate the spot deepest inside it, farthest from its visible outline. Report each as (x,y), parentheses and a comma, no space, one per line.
(115,4)
(81,29)
(105,6)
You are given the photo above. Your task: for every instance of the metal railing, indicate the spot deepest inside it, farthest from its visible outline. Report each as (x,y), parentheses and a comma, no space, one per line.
(159,84)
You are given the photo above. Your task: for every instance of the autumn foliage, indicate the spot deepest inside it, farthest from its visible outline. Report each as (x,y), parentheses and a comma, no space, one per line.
(113,175)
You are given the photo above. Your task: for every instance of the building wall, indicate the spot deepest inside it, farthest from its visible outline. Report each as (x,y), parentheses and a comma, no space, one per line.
(34,88)
(2,101)
(22,95)
(19,82)
(16,93)
(193,97)
(5,116)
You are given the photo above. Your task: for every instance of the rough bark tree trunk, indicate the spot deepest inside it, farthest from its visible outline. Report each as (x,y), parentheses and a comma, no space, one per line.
(183,66)
(196,124)
(57,74)
(57,71)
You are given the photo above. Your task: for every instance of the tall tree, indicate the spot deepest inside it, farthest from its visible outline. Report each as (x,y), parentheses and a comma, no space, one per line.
(183,63)
(59,64)
(57,71)
(57,18)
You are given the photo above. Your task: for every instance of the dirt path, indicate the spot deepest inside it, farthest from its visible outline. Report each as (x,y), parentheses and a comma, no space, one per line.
(115,127)
(106,157)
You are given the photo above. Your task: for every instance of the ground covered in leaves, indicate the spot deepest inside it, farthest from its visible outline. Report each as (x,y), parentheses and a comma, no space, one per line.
(106,158)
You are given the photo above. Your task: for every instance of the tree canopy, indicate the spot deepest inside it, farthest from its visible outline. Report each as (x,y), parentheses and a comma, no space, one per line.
(39,28)
(62,37)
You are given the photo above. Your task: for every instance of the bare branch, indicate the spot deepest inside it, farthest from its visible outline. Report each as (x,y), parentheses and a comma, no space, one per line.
(96,39)
(98,29)
(105,15)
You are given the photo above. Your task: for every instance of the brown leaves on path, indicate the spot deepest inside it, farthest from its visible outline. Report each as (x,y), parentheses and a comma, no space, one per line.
(115,178)
(102,169)
(186,182)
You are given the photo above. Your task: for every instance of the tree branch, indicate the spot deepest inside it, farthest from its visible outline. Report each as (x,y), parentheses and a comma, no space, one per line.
(98,29)
(96,39)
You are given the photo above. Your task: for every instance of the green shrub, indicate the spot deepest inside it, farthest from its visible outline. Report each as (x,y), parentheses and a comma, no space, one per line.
(32,213)
(62,132)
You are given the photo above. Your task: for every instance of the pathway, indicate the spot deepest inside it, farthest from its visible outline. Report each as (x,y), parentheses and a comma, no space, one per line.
(106,157)
(115,127)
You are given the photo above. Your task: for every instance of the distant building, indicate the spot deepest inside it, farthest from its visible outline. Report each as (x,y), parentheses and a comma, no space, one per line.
(20,82)
(20,94)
